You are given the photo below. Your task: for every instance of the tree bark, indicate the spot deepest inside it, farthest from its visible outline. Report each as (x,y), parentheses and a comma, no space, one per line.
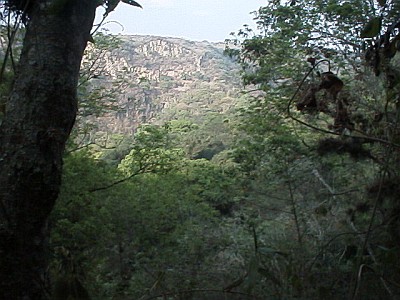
(39,116)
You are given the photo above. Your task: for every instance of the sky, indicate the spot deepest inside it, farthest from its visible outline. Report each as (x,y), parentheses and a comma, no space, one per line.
(198,20)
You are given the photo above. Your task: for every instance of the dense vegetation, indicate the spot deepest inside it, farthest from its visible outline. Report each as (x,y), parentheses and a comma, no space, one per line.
(290,194)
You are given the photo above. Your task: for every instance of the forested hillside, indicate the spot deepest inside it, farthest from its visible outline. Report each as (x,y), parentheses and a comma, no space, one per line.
(159,79)
(130,81)
(266,167)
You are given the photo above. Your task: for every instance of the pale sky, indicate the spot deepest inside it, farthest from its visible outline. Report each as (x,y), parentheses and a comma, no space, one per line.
(211,20)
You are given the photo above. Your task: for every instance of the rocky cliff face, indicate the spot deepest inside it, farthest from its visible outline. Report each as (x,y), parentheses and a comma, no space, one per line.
(157,79)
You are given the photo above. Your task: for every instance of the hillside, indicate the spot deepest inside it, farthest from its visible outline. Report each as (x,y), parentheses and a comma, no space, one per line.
(157,79)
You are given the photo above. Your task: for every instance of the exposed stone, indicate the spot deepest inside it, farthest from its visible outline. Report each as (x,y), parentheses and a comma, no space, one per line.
(156,73)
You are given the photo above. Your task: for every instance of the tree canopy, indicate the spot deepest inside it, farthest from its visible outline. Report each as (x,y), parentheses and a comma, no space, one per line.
(290,194)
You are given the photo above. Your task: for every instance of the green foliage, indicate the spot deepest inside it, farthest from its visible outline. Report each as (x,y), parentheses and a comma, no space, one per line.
(260,212)
(151,152)
(292,195)
(79,219)
(289,34)
(214,184)
(134,230)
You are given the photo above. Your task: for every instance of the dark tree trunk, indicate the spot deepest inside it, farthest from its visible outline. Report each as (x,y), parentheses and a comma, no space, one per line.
(39,117)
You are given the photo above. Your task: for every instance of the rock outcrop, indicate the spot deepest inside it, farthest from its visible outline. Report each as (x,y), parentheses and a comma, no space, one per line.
(156,79)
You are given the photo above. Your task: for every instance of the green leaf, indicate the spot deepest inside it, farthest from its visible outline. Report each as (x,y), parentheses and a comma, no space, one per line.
(382,2)
(372,28)
(133,3)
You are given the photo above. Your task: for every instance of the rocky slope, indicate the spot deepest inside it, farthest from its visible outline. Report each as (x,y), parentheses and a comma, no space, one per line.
(156,79)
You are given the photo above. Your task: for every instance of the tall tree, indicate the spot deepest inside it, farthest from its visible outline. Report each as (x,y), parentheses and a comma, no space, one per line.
(296,41)
(39,116)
